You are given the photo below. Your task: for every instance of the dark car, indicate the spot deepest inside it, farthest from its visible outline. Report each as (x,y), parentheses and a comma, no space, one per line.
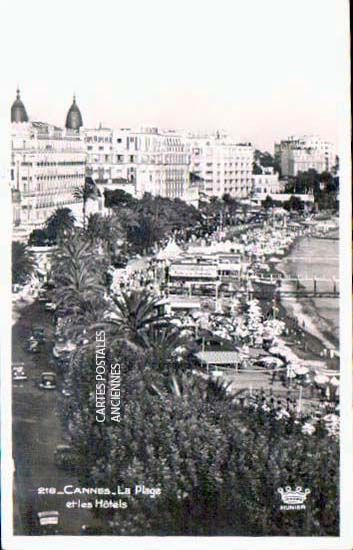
(49,306)
(48,522)
(18,372)
(47,381)
(38,333)
(42,296)
(32,345)
(49,285)
(120,262)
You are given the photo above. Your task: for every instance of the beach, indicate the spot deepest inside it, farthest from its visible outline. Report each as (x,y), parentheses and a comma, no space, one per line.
(314,257)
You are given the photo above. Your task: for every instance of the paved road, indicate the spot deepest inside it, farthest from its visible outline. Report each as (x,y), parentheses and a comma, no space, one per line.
(36,432)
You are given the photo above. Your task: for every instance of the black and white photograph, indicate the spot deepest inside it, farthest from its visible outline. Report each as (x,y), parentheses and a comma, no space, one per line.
(176,338)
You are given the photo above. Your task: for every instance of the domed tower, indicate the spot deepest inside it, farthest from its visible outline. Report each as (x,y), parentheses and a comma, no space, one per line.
(18,111)
(74,117)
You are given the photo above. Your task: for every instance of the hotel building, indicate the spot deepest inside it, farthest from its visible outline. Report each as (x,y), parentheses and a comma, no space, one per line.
(267,182)
(302,153)
(47,164)
(223,165)
(145,160)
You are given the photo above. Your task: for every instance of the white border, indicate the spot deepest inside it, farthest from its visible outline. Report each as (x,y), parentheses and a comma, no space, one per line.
(345,541)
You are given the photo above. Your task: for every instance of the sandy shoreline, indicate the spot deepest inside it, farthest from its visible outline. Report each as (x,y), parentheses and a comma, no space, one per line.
(306,313)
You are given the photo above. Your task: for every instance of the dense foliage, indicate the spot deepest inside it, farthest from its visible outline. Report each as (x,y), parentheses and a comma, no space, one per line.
(324,187)
(218,459)
(23,263)
(150,219)
(218,463)
(57,226)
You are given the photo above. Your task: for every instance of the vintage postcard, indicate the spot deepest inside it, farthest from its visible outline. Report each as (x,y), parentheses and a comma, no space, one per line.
(176,274)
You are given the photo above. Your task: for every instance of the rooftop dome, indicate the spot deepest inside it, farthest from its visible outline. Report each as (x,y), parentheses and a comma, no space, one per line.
(73,118)
(18,111)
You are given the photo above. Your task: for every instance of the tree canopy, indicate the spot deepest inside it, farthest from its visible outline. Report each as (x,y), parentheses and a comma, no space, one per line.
(23,263)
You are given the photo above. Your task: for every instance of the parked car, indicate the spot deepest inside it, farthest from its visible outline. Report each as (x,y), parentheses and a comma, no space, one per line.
(63,362)
(32,345)
(49,285)
(47,381)
(64,457)
(48,522)
(49,306)
(38,333)
(18,372)
(119,262)
(42,296)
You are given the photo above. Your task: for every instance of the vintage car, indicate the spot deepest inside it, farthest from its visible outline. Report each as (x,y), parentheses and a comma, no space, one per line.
(38,333)
(47,381)
(49,306)
(33,345)
(42,296)
(18,372)
(48,522)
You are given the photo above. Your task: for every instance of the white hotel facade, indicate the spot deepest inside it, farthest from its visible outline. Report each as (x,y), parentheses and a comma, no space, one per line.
(47,164)
(145,160)
(224,165)
(302,153)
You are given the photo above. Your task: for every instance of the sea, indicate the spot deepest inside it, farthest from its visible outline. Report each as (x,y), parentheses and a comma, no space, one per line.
(312,257)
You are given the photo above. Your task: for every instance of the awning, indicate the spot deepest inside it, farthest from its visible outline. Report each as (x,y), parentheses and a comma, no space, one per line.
(219,357)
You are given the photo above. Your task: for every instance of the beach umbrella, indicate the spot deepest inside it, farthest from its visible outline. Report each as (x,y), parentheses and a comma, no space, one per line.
(275,361)
(196,314)
(321,379)
(300,370)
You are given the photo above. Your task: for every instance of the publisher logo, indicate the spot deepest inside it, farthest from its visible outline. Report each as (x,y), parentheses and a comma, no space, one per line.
(293,499)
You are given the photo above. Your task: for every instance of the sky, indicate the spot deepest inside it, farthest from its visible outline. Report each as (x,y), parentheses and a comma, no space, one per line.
(259,69)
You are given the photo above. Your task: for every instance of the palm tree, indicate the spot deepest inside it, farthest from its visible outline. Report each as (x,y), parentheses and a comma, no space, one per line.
(94,227)
(80,287)
(87,320)
(162,345)
(60,223)
(23,263)
(76,274)
(87,191)
(128,220)
(132,314)
(196,387)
